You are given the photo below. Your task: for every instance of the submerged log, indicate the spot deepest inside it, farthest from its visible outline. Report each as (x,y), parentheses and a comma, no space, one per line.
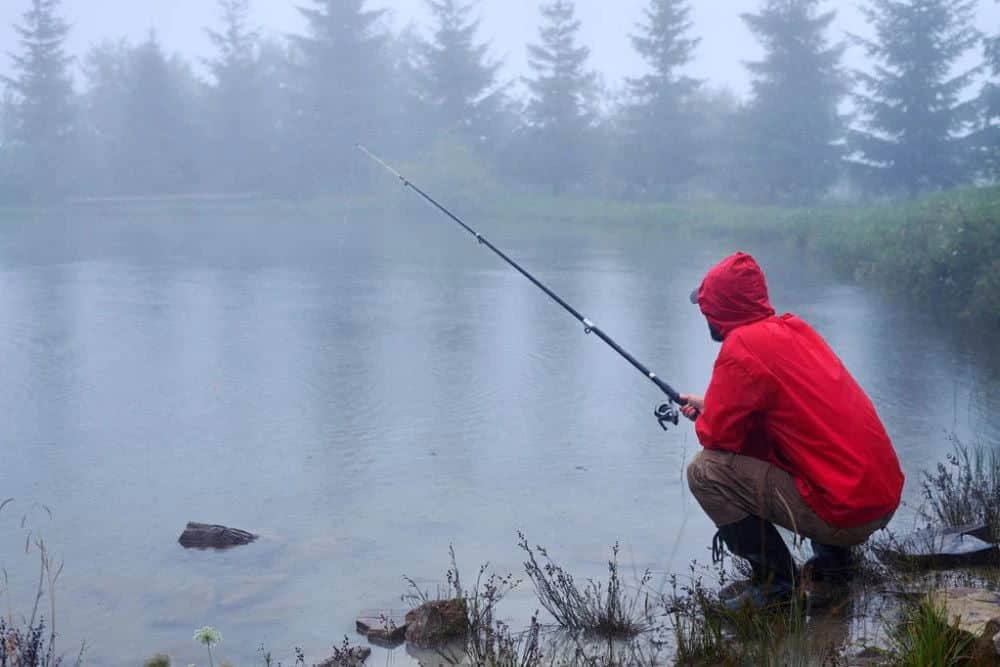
(208,536)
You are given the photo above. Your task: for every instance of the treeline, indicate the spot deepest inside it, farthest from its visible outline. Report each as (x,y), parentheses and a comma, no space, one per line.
(281,117)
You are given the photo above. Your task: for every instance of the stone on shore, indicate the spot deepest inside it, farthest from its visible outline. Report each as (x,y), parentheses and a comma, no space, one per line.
(437,622)
(936,548)
(208,536)
(977,612)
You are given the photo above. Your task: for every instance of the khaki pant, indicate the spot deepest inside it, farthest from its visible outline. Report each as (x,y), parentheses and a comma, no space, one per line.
(730,487)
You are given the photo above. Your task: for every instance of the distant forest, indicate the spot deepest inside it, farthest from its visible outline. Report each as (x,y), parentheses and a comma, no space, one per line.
(281,117)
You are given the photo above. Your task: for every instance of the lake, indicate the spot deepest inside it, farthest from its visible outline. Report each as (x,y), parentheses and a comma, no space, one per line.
(365,389)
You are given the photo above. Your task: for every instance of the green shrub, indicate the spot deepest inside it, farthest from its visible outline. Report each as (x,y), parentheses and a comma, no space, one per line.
(158,660)
(923,638)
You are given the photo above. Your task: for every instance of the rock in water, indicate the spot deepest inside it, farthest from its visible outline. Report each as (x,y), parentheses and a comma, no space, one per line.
(207,536)
(945,548)
(382,628)
(437,622)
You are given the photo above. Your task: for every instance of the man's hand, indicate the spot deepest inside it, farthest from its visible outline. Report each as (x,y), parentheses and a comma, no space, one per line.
(694,407)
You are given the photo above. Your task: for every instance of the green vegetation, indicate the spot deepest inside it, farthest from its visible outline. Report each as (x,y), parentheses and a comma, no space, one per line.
(604,610)
(965,490)
(923,638)
(942,252)
(705,632)
(279,115)
(158,660)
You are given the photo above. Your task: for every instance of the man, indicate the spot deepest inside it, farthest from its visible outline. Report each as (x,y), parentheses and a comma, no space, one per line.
(789,438)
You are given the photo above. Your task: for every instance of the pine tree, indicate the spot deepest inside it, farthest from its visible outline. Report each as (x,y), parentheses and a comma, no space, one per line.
(989,136)
(459,79)
(342,83)
(791,131)
(106,69)
(560,109)
(43,114)
(660,146)
(914,111)
(161,147)
(239,128)
(7,185)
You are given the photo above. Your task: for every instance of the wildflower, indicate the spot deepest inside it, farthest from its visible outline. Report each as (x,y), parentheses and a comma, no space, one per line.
(208,636)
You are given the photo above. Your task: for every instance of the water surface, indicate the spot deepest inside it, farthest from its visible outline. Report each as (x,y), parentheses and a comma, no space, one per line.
(365,390)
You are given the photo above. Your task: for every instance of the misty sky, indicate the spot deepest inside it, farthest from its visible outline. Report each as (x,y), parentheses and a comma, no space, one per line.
(508,24)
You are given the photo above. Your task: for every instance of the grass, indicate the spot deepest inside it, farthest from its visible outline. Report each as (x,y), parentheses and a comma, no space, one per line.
(923,638)
(965,489)
(705,632)
(31,642)
(489,642)
(604,609)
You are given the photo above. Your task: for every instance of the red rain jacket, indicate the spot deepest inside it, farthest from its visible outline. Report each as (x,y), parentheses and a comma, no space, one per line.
(779,393)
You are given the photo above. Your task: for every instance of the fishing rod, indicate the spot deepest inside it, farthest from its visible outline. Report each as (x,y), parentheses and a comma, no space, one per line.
(666,413)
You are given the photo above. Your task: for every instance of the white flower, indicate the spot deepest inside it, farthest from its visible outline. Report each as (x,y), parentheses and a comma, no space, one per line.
(208,636)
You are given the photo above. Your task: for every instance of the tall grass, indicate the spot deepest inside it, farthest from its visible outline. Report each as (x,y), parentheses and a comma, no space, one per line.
(923,638)
(31,641)
(706,632)
(608,609)
(965,489)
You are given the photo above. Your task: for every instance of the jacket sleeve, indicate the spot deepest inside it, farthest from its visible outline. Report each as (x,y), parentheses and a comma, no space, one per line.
(737,397)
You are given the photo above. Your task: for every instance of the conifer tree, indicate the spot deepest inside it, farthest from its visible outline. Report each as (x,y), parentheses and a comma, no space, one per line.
(240,129)
(660,147)
(106,69)
(340,91)
(560,108)
(161,150)
(792,128)
(989,144)
(915,114)
(43,116)
(459,79)
(7,185)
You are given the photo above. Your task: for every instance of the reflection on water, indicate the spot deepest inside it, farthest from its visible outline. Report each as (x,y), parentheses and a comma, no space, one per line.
(364,392)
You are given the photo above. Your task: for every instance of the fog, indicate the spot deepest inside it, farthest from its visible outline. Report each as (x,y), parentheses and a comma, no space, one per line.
(214,308)
(757,101)
(508,24)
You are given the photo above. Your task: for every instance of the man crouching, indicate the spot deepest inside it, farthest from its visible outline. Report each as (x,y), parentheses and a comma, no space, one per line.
(789,438)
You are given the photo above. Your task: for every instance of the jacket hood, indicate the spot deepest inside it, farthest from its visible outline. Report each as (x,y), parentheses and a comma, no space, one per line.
(734,294)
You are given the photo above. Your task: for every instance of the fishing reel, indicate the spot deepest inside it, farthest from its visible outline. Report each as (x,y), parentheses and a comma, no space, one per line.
(667,414)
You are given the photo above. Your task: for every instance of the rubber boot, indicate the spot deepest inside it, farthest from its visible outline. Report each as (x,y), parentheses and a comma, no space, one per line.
(774,578)
(828,574)
(830,564)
